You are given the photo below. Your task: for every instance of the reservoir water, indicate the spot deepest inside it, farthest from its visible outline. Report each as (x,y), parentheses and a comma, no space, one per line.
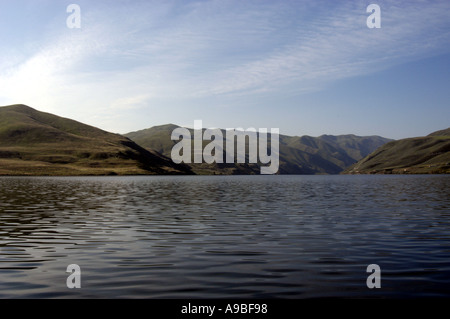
(225,236)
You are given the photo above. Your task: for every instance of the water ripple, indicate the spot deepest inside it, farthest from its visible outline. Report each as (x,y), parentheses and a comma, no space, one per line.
(225,237)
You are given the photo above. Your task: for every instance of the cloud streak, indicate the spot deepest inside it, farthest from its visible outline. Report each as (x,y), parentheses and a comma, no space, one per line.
(139,55)
(342,46)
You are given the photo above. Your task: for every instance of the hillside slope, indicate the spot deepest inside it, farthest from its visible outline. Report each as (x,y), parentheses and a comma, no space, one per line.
(418,155)
(38,143)
(298,155)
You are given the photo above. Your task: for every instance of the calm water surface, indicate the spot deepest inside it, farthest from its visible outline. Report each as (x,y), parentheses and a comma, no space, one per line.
(225,237)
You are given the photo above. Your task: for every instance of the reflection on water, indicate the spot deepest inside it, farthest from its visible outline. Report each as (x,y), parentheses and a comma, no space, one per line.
(225,237)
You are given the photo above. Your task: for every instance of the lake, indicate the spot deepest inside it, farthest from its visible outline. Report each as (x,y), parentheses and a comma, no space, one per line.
(225,236)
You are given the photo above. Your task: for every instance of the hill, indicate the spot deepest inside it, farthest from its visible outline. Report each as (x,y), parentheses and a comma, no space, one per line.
(38,143)
(418,155)
(445,132)
(326,154)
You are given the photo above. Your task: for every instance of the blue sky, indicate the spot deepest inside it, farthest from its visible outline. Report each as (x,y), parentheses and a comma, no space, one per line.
(305,67)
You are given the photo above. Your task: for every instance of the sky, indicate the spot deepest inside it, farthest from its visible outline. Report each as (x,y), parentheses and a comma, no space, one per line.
(305,67)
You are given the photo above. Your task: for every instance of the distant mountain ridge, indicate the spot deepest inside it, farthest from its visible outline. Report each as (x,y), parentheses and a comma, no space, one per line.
(417,155)
(326,154)
(38,143)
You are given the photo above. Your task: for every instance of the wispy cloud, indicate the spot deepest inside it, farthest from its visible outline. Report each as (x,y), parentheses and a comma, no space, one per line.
(340,45)
(137,54)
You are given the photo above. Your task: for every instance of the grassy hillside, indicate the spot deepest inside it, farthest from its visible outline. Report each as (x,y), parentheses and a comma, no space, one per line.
(419,155)
(298,155)
(445,132)
(158,138)
(37,143)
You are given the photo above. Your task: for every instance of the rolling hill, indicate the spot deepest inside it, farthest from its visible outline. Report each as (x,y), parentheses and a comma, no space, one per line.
(37,143)
(419,155)
(326,154)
